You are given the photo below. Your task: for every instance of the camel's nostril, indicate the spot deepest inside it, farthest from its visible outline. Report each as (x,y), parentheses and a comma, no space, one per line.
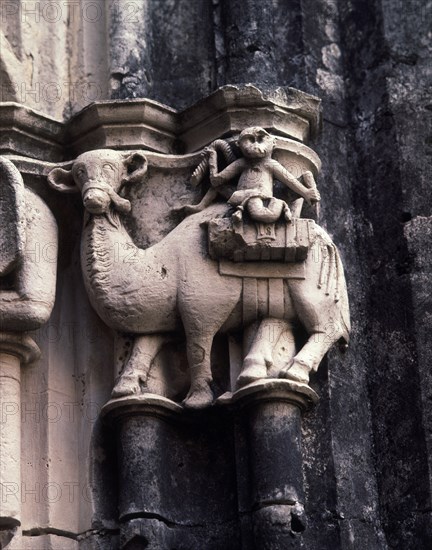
(96,201)
(92,198)
(95,196)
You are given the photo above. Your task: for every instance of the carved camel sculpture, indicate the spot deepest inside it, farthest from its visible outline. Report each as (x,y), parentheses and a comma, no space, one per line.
(156,290)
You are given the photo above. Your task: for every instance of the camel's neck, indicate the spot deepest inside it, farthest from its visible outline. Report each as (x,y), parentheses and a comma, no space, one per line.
(104,247)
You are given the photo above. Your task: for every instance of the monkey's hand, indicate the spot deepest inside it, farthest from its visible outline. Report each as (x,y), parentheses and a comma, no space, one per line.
(312,195)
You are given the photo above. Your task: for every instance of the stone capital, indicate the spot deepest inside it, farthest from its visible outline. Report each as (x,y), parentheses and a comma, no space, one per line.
(20,345)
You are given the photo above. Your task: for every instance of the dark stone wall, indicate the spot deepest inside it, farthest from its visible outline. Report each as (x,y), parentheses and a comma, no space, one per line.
(166,54)
(387,81)
(367,445)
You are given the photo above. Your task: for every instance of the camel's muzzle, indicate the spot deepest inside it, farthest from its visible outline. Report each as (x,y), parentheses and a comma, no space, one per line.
(98,196)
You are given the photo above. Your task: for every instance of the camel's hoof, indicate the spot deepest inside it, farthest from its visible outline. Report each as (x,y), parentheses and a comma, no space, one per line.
(297,372)
(253,370)
(199,398)
(126,386)
(237,216)
(251,375)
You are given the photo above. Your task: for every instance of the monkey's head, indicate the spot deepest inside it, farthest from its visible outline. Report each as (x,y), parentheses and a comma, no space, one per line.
(255,142)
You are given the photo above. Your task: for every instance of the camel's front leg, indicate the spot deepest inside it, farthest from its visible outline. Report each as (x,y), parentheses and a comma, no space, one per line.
(200,394)
(205,301)
(260,355)
(309,357)
(134,376)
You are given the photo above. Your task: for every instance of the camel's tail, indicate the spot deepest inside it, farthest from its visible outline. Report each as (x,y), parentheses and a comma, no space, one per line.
(332,280)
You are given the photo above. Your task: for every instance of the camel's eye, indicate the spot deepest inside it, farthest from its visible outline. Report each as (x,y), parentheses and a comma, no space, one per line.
(80,172)
(108,167)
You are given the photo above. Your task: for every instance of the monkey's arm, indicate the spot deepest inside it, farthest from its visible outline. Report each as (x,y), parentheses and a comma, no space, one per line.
(216,180)
(282,174)
(230,172)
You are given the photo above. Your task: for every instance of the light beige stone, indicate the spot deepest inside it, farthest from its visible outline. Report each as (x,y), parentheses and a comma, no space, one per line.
(10,441)
(161,128)
(154,292)
(28,266)
(43,542)
(28,300)
(28,130)
(256,171)
(15,349)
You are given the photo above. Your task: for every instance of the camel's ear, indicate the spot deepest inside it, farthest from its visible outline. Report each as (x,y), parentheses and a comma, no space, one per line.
(62,180)
(136,166)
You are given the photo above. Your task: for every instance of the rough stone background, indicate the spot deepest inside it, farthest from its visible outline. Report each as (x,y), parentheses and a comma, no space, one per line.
(368,444)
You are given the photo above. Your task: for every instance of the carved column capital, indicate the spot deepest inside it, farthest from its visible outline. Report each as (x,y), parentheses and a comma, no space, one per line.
(20,345)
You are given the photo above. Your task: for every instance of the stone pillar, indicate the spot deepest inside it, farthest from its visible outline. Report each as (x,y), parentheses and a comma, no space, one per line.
(269,462)
(176,475)
(15,350)
(178,469)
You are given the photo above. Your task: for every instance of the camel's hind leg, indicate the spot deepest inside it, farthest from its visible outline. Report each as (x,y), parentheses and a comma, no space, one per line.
(135,373)
(321,305)
(309,357)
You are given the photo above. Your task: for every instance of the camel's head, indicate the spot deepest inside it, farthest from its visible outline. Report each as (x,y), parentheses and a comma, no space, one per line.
(99,176)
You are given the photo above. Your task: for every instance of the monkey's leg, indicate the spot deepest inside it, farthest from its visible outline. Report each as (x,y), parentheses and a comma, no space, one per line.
(265,214)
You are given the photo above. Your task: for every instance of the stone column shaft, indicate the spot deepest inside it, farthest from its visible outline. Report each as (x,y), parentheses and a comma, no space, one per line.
(15,350)
(10,440)
(270,463)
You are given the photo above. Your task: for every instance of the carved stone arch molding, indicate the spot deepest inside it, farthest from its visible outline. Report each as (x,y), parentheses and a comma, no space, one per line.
(203,326)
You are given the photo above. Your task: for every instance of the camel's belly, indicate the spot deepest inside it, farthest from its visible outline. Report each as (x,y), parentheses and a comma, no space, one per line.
(133,308)
(141,322)
(261,298)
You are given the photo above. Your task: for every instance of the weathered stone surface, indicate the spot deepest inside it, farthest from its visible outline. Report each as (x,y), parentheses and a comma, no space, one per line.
(159,444)
(40,540)
(27,290)
(251,492)
(28,278)
(382,99)
(100,175)
(152,293)
(283,243)
(12,213)
(26,132)
(157,127)
(366,444)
